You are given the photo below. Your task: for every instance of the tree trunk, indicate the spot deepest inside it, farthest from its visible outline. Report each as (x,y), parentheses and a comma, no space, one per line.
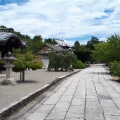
(22,76)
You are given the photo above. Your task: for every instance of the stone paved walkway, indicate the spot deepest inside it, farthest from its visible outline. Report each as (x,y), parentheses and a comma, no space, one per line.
(34,80)
(87,95)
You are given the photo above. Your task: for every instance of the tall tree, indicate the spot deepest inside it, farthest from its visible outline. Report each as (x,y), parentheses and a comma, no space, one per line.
(77,45)
(38,37)
(109,50)
(25,61)
(101,52)
(90,44)
(35,44)
(2,26)
(49,40)
(114,47)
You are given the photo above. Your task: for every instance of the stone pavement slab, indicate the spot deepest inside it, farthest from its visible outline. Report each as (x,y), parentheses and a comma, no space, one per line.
(34,80)
(88,95)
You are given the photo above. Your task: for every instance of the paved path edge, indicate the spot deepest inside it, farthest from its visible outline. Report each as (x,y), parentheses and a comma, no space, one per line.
(7,111)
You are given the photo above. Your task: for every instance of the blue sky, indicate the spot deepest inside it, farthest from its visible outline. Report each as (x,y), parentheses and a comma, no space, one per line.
(69,19)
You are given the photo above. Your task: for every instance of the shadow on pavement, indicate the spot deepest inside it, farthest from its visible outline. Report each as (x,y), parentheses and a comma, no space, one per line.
(27,81)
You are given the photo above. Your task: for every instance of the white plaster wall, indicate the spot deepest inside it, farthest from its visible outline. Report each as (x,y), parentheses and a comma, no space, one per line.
(46,62)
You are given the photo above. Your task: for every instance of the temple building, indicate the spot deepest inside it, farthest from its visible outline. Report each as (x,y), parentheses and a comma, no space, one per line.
(58,46)
(8,41)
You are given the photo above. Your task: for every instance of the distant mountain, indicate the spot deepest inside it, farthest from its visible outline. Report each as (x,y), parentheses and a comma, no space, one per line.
(3,2)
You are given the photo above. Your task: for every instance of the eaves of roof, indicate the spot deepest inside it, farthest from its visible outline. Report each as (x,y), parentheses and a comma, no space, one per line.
(5,36)
(56,48)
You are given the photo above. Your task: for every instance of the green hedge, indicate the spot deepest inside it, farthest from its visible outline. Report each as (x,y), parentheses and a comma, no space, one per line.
(79,65)
(84,56)
(61,61)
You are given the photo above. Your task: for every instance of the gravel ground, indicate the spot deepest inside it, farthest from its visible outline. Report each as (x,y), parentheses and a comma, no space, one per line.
(33,81)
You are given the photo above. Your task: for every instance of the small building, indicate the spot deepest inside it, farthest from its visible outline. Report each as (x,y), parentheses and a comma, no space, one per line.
(46,50)
(58,46)
(60,43)
(8,41)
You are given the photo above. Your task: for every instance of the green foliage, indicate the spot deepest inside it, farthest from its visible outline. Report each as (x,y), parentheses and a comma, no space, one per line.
(2,26)
(79,65)
(85,52)
(2,62)
(114,68)
(55,61)
(19,66)
(27,60)
(68,60)
(83,48)
(101,52)
(36,64)
(84,55)
(114,48)
(108,51)
(77,45)
(60,61)
(92,42)
(49,40)
(35,44)
(21,36)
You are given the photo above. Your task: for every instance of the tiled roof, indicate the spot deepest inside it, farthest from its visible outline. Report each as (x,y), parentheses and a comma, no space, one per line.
(60,42)
(5,36)
(56,48)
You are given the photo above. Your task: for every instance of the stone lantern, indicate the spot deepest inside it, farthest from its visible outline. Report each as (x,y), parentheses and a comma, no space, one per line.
(9,65)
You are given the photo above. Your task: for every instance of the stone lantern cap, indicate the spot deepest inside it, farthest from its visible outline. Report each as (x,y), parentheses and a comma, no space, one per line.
(9,57)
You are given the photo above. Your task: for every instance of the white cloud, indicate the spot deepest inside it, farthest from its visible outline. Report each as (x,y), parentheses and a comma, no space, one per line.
(57,18)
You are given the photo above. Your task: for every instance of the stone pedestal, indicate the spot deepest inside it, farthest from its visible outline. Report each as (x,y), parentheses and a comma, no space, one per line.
(8,65)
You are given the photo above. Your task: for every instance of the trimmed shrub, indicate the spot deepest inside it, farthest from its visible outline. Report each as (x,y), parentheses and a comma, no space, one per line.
(27,60)
(79,65)
(61,61)
(34,65)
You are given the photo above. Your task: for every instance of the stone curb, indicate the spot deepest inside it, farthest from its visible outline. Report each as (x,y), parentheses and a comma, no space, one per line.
(7,111)
(4,75)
